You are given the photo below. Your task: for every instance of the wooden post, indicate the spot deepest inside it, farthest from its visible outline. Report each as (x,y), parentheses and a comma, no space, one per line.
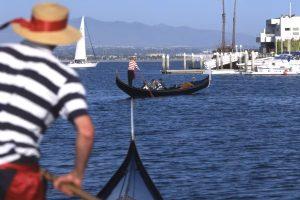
(163,57)
(246,60)
(200,61)
(230,57)
(193,61)
(252,60)
(184,61)
(222,60)
(217,60)
(168,61)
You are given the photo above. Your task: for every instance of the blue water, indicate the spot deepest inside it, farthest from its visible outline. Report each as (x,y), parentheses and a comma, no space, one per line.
(238,139)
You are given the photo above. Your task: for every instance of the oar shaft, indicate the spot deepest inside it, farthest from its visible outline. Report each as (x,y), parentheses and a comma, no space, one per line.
(77,191)
(132,120)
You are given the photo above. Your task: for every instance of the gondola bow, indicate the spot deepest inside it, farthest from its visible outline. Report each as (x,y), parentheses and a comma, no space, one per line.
(131,181)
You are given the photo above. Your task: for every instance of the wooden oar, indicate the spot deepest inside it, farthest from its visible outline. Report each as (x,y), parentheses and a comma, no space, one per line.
(77,191)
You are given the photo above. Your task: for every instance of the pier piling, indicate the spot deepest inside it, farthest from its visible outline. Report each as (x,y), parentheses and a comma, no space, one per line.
(252,60)
(246,60)
(230,58)
(167,61)
(163,57)
(184,61)
(193,61)
(222,60)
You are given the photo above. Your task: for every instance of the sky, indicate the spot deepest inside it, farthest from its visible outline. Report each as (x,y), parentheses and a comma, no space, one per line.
(199,14)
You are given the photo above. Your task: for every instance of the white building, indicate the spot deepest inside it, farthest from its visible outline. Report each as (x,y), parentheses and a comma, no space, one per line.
(282,29)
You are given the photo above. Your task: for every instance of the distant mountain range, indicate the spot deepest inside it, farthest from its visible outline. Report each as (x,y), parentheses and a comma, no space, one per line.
(136,34)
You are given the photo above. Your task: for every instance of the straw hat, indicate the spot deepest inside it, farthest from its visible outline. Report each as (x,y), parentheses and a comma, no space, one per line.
(48,25)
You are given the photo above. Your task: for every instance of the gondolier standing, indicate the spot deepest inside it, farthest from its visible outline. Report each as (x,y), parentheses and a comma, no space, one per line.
(132,67)
(35,88)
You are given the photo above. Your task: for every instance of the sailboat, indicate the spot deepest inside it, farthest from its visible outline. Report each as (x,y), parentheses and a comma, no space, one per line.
(80,60)
(131,181)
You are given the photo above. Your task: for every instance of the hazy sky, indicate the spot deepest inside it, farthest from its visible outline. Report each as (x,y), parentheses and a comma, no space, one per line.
(200,14)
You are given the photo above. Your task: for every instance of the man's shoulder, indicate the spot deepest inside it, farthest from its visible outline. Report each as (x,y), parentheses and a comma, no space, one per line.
(29,53)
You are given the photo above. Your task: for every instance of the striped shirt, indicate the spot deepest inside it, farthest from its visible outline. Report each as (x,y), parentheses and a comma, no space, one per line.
(35,88)
(132,65)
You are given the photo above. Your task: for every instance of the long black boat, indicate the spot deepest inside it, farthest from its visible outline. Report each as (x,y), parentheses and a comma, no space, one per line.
(131,181)
(179,90)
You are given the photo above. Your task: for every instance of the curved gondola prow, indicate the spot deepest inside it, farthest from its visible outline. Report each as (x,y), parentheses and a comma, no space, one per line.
(131,174)
(131,181)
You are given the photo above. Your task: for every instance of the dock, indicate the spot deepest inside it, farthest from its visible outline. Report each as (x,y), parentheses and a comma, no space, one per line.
(183,71)
(219,63)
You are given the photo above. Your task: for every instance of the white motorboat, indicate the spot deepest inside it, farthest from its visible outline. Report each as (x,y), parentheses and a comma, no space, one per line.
(266,70)
(80,60)
(225,72)
(283,64)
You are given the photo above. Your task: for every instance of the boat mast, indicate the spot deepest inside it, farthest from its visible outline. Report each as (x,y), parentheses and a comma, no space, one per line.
(290,8)
(132,121)
(234,26)
(289,40)
(90,40)
(223,26)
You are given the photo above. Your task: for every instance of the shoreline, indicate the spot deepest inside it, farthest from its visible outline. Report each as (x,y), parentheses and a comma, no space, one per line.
(126,61)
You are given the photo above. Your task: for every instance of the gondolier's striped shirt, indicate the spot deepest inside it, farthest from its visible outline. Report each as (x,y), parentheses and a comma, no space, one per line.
(132,65)
(35,88)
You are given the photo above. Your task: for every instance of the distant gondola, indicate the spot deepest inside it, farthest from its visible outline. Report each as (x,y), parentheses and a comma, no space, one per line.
(179,90)
(131,181)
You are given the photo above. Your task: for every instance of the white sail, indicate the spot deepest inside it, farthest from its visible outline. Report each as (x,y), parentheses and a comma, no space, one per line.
(80,60)
(80,53)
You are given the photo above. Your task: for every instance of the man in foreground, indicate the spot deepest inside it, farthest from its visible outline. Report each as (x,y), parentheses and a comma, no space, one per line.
(35,88)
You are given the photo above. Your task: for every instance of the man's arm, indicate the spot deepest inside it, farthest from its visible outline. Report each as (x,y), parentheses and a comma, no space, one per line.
(136,66)
(84,144)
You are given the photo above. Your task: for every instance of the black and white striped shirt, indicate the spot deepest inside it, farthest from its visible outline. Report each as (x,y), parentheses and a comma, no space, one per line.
(35,88)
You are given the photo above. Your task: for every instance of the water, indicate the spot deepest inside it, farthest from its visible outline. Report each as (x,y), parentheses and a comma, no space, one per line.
(238,139)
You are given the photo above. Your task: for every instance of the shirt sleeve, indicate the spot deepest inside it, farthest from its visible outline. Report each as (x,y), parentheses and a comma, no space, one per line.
(72,102)
(136,66)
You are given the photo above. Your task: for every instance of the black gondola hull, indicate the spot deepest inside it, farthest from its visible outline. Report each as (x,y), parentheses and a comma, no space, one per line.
(142,93)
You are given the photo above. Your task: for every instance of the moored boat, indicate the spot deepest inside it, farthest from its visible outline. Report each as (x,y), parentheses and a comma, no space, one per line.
(283,64)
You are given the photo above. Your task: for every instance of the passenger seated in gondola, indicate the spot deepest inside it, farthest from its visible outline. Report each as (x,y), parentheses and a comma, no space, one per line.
(153,84)
(157,85)
(162,84)
(146,86)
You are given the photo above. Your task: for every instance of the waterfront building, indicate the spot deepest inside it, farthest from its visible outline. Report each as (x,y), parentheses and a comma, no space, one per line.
(280,35)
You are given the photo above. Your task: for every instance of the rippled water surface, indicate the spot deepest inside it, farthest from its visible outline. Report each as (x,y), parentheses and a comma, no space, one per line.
(238,139)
